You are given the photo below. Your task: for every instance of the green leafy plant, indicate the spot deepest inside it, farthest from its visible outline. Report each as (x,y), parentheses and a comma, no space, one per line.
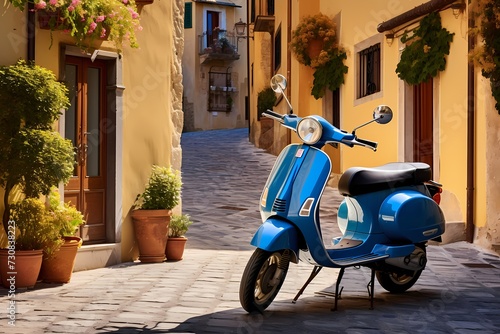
(330,75)
(485,55)
(64,216)
(34,229)
(266,99)
(424,56)
(86,20)
(163,190)
(179,225)
(33,156)
(328,63)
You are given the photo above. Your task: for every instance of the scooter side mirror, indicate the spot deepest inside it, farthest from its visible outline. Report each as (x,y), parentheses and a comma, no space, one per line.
(382,114)
(278,83)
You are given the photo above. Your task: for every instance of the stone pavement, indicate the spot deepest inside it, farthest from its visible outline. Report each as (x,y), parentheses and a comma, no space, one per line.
(223,175)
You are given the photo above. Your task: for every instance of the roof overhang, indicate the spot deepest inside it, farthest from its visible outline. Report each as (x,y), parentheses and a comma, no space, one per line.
(413,14)
(218,2)
(264,23)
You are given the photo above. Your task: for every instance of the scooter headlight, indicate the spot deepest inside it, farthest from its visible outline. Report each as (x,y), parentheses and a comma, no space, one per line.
(309,130)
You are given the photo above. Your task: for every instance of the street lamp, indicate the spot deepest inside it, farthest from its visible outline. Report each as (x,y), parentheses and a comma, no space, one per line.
(240,27)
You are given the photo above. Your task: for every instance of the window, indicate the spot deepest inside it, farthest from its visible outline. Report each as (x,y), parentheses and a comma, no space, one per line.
(270,7)
(188,15)
(277,49)
(369,71)
(252,11)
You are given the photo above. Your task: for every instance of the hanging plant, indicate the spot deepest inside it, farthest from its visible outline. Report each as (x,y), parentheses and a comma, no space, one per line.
(314,43)
(86,20)
(424,56)
(486,55)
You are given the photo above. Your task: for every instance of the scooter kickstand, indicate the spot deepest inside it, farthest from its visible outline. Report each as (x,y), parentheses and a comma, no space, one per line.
(337,293)
(371,289)
(314,273)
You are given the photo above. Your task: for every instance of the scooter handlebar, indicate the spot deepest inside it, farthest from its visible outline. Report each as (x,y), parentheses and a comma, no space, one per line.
(274,115)
(366,143)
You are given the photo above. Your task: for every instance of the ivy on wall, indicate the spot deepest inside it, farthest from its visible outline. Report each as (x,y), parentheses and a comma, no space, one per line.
(488,58)
(424,56)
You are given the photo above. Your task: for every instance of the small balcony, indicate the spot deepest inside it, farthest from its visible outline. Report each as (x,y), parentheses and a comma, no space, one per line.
(217,45)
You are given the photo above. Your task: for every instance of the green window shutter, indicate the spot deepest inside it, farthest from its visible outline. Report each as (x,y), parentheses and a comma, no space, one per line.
(188,15)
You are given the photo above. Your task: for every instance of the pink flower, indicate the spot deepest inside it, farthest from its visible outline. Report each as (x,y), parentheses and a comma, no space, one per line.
(132,13)
(53,2)
(103,33)
(40,5)
(100,18)
(92,27)
(75,3)
(71,8)
(125,1)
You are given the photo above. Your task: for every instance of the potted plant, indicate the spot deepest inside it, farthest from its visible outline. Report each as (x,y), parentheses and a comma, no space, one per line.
(314,43)
(152,212)
(58,264)
(226,46)
(33,157)
(115,20)
(265,100)
(29,233)
(179,224)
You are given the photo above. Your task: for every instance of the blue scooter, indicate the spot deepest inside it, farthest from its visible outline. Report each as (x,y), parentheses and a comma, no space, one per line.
(388,214)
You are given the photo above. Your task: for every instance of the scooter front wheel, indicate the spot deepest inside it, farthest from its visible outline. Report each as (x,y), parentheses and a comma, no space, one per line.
(262,279)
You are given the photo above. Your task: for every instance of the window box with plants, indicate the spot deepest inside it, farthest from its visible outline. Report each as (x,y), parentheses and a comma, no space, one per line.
(152,213)
(33,159)
(179,225)
(115,20)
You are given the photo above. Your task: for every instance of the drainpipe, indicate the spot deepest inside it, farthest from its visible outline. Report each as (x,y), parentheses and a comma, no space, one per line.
(248,102)
(289,60)
(469,226)
(31,31)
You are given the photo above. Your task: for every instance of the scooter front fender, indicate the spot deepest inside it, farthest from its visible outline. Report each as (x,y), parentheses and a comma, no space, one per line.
(276,234)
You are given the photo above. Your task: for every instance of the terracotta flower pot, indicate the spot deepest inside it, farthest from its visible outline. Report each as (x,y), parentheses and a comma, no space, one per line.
(21,270)
(175,248)
(59,267)
(151,233)
(314,48)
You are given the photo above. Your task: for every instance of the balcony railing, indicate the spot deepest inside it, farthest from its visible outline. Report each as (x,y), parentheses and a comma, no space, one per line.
(218,44)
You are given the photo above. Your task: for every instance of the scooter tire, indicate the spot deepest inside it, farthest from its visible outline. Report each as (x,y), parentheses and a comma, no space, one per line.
(262,279)
(397,283)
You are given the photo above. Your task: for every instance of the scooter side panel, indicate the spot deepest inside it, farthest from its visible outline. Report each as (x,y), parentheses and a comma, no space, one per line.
(309,184)
(410,216)
(280,178)
(275,234)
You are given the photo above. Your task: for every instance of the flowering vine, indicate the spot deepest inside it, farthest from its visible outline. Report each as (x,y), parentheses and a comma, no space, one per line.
(86,20)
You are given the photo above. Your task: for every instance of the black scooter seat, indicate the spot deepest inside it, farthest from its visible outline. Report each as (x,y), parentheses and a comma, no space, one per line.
(358,180)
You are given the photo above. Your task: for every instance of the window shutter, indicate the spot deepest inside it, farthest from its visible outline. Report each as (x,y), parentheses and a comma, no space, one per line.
(188,15)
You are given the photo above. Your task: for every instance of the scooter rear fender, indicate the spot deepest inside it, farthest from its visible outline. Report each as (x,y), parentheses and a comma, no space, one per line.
(276,234)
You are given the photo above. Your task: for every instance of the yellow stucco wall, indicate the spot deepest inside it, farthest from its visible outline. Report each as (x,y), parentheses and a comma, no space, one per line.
(149,135)
(358,28)
(196,78)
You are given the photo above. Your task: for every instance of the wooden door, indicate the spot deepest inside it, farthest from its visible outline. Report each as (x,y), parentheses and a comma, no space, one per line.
(212,24)
(85,127)
(423,139)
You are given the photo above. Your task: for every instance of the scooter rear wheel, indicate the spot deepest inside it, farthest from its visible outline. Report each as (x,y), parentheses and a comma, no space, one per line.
(396,282)
(262,279)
